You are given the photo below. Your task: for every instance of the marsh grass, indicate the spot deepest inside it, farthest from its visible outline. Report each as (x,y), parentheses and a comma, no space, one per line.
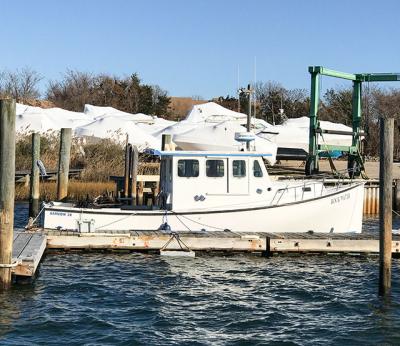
(98,159)
(77,190)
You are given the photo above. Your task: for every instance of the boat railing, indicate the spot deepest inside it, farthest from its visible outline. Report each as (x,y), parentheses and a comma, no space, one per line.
(315,183)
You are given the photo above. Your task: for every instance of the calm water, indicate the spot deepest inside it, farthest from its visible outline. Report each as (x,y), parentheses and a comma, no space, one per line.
(128,299)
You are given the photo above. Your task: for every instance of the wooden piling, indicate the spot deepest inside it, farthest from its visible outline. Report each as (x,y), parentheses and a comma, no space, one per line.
(140,193)
(63,163)
(385,205)
(34,193)
(134,170)
(127,169)
(166,142)
(7,189)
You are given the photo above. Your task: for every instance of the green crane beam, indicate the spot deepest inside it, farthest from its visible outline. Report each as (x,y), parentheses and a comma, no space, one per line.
(331,73)
(379,77)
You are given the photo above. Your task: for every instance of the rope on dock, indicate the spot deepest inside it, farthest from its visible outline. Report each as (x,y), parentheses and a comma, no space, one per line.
(12,265)
(178,239)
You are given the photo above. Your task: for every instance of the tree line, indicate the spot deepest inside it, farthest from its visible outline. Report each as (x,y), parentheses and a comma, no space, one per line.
(274,103)
(75,89)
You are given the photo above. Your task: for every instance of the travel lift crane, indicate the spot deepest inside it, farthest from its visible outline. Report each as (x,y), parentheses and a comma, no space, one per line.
(355,163)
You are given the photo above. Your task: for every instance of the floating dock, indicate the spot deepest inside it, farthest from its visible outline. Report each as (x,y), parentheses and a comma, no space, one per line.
(28,249)
(30,246)
(222,241)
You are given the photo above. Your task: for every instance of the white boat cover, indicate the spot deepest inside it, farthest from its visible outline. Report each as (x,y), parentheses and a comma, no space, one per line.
(117,128)
(221,137)
(36,119)
(294,133)
(213,112)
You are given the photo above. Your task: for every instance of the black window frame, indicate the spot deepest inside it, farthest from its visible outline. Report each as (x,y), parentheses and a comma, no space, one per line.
(217,169)
(186,175)
(259,169)
(233,169)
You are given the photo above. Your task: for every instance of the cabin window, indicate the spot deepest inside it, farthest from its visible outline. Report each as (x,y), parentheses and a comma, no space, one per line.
(257,171)
(215,168)
(239,168)
(188,168)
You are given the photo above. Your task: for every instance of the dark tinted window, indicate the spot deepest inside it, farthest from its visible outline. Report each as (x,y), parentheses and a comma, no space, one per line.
(215,168)
(239,168)
(188,168)
(257,171)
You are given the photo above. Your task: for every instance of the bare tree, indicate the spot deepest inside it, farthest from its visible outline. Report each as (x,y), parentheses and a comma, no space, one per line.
(20,84)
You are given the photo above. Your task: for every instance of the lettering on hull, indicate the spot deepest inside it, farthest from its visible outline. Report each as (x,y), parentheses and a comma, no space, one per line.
(340,198)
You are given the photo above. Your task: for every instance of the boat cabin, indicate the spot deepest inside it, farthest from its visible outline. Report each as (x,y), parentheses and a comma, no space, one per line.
(204,180)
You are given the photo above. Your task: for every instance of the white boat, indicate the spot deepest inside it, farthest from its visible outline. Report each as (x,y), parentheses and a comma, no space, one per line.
(292,137)
(223,136)
(208,191)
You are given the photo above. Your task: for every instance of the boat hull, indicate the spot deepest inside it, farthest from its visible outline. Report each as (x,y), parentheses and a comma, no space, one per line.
(336,212)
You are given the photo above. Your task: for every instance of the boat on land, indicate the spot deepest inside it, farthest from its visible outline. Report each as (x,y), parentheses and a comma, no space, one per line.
(217,191)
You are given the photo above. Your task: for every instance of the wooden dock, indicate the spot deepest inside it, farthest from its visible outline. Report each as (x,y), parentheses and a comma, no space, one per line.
(225,241)
(28,249)
(23,177)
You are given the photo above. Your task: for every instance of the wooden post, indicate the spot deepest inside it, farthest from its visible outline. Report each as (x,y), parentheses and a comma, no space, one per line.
(166,142)
(140,192)
(126,176)
(63,163)
(34,193)
(385,205)
(7,189)
(134,170)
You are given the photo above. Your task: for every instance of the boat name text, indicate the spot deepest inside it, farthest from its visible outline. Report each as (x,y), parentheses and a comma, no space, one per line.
(340,198)
(60,213)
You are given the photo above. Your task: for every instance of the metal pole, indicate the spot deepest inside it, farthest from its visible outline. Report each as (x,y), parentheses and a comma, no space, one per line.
(356,111)
(249,116)
(63,163)
(34,193)
(134,170)
(313,143)
(7,188)
(385,205)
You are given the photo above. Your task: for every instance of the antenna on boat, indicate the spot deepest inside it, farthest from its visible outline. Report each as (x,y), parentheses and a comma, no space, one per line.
(238,88)
(249,90)
(254,84)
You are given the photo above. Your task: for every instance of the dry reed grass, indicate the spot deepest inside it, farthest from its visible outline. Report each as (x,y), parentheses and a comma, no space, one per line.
(77,190)
(97,160)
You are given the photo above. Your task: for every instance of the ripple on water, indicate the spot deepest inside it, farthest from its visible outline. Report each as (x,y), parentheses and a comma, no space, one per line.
(125,299)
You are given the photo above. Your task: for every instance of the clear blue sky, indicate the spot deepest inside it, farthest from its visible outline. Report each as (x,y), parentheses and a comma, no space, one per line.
(194,47)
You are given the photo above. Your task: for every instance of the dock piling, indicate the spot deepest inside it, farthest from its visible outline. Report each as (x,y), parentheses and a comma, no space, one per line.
(34,193)
(166,141)
(63,163)
(7,189)
(385,204)
(127,169)
(134,170)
